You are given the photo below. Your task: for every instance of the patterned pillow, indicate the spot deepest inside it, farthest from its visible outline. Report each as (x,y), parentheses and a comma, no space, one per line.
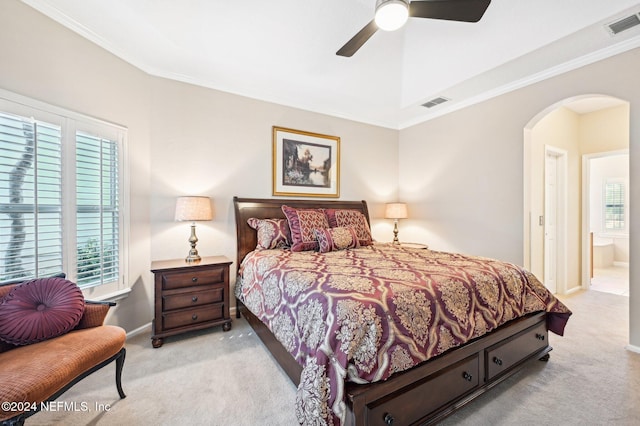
(272,233)
(40,309)
(351,218)
(302,222)
(334,239)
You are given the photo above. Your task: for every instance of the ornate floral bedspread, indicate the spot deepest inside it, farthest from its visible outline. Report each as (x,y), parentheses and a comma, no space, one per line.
(364,314)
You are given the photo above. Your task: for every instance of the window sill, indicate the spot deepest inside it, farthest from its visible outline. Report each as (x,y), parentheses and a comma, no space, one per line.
(111,297)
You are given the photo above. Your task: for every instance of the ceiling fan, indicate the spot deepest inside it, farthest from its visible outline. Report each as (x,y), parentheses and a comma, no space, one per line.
(392,14)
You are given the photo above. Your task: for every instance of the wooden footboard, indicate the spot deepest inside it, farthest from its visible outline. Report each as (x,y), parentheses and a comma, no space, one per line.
(433,390)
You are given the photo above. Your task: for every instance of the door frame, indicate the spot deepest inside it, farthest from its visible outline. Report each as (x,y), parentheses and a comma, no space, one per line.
(562,206)
(586,211)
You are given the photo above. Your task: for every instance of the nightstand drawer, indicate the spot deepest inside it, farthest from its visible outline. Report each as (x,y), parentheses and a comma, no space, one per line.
(188,317)
(172,280)
(194,298)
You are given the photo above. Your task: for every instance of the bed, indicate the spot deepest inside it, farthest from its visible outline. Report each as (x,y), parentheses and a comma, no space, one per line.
(360,334)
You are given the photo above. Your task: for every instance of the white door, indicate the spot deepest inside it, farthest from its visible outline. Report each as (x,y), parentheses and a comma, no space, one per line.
(550,222)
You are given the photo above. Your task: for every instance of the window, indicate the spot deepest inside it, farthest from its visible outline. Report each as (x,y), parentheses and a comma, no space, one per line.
(614,206)
(30,198)
(61,198)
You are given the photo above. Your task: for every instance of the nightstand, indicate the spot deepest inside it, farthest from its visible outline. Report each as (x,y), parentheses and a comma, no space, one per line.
(190,296)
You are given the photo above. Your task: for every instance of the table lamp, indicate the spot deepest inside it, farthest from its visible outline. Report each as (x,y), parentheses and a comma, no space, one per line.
(193,209)
(395,211)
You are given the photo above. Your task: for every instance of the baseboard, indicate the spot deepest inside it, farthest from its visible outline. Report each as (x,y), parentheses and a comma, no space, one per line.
(573,290)
(623,264)
(142,329)
(633,348)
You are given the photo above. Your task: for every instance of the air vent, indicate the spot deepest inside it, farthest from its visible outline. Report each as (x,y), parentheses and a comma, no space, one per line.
(435,102)
(623,24)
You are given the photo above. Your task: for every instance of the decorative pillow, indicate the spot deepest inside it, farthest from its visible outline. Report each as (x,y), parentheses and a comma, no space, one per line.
(334,239)
(272,233)
(302,222)
(40,309)
(351,218)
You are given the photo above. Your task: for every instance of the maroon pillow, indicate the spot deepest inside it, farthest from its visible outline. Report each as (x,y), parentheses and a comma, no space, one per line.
(353,219)
(272,233)
(302,222)
(40,309)
(334,239)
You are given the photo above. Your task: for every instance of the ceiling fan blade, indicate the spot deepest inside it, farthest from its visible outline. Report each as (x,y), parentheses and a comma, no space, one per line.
(358,40)
(451,10)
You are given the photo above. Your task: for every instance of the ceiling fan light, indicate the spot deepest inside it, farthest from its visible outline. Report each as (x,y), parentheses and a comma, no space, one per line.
(391,14)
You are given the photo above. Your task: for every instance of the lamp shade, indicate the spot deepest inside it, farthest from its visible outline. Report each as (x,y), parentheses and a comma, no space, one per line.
(193,208)
(396,211)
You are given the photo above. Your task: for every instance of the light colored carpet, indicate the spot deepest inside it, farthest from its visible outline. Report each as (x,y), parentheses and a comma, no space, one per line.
(216,378)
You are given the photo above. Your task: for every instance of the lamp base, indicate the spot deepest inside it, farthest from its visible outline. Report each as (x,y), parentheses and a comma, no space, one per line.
(395,233)
(191,258)
(193,255)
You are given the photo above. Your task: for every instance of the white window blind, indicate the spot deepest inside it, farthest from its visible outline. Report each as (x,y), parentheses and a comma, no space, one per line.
(61,198)
(97,196)
(614,206)
(30,198)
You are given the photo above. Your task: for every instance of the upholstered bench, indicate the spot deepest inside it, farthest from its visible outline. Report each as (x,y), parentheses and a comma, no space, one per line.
(50,340)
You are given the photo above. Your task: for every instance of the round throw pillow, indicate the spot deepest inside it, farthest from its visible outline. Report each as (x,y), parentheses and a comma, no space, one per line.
(40,309)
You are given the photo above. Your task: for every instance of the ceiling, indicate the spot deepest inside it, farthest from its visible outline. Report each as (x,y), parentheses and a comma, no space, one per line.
(283,51)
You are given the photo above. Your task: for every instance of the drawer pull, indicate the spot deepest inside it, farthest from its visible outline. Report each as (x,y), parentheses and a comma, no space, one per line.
(468,377)
(194,317)
(539,336)
(194,299)
(194,279)
(388,419)
(497,360)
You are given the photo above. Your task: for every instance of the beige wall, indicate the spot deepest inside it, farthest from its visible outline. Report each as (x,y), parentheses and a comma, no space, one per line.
(604,130)
(183,140)
(207,142)
(463,173)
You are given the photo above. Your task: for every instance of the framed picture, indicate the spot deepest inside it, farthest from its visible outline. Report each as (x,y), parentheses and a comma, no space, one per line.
(305,164)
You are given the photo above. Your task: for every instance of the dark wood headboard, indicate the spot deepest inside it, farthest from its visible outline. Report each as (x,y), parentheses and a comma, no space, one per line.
(267,208)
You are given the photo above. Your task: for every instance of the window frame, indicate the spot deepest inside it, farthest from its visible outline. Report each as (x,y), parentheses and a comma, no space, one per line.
(625,207)
(71,123)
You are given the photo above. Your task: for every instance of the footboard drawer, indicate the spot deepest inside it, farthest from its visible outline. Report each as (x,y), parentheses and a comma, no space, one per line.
(409,404)
(504,355)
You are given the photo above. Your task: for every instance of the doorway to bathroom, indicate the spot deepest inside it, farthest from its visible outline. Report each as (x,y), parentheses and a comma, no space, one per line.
(606,213)
(561,141)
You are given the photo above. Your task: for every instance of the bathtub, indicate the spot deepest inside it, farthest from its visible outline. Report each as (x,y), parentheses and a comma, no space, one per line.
(603,252)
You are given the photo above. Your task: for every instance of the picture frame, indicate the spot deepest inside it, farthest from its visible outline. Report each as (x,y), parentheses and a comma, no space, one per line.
(305,164)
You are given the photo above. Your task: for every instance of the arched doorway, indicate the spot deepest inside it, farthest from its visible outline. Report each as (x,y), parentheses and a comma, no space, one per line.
(556,233)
